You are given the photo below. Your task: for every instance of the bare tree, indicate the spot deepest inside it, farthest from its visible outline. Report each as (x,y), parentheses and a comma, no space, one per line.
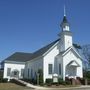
(86,52)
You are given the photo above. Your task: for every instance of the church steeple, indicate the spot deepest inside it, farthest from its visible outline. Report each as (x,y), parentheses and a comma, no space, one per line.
(65,24)
(64,11)
(65,35)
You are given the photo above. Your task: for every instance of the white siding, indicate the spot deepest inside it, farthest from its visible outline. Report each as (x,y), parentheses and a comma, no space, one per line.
(70,56)
(60,61)
(65,42)
(50,59)
(13,66)
(34,64)
(68,41)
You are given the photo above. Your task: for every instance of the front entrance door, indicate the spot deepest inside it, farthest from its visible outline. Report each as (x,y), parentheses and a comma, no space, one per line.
(71,71)
(15,73)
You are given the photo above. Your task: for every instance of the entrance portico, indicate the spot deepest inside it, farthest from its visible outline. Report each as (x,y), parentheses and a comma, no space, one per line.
(71,69)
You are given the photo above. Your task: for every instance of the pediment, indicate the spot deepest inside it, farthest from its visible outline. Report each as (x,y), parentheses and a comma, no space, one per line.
(72,50)
(74,63)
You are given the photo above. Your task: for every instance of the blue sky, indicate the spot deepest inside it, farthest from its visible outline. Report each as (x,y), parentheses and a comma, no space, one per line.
(27,25)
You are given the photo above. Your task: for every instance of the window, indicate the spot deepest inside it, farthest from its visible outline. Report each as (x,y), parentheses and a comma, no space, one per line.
(15,73)
(50,69)
(8,71)
(59,69)
(31,73)
(28,72)
(22,72)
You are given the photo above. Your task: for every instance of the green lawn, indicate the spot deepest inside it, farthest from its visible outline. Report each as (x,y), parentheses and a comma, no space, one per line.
(12,86)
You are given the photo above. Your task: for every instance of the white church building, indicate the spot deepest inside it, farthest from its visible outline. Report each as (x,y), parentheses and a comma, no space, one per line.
(60,58)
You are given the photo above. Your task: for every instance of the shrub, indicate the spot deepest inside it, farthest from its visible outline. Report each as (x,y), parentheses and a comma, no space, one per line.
(16,82)
(87,74)
(27,80)
(40,72)
(1,74)
(68,82)
(60,81)
(34,81)
(55,83)
(3,80)
(49,81)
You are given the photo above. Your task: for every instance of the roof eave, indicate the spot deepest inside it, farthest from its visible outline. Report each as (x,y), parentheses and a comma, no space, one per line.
(50,49)
(8,61)
(74,51)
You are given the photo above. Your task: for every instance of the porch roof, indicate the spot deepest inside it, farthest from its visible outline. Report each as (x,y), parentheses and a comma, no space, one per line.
(73,63)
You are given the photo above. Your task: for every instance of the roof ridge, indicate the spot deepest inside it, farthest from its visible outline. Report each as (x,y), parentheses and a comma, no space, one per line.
(42,50)
(46,45)
(23,52)
(23,57)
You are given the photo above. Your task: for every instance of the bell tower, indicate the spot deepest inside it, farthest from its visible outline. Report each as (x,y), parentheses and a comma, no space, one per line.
(65,23)
(65,35)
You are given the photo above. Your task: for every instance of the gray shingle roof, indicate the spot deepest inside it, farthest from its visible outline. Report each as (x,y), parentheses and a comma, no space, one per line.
(41,51)
(65,21)
(19,57)
(23,57)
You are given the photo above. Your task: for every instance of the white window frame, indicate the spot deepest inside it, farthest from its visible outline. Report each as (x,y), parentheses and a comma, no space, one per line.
(50,67)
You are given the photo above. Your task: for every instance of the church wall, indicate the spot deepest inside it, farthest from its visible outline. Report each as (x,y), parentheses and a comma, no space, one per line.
(50,58)
(70,56)
(13,67)
(65,42)
(32,67)
(68,41)
(60,61)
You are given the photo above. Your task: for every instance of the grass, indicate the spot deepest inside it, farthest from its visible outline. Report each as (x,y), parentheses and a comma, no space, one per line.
(62,86)
(12,86)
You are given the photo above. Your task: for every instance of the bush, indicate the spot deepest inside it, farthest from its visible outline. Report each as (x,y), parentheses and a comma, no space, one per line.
(34,81)
(3,80)
(68,82)
(1,74)
(60,81)
(49,81)
(87,74)
(27,80)
(16,82)
(40,72)
(55,83)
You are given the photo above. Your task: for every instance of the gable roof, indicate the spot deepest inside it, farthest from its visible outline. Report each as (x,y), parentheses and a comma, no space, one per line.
(19,57)
(41,51)
(71,48)
(73,63)
(23,57)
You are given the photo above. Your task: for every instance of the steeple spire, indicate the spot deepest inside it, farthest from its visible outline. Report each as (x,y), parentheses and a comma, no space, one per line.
(65,24)
(64,11)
